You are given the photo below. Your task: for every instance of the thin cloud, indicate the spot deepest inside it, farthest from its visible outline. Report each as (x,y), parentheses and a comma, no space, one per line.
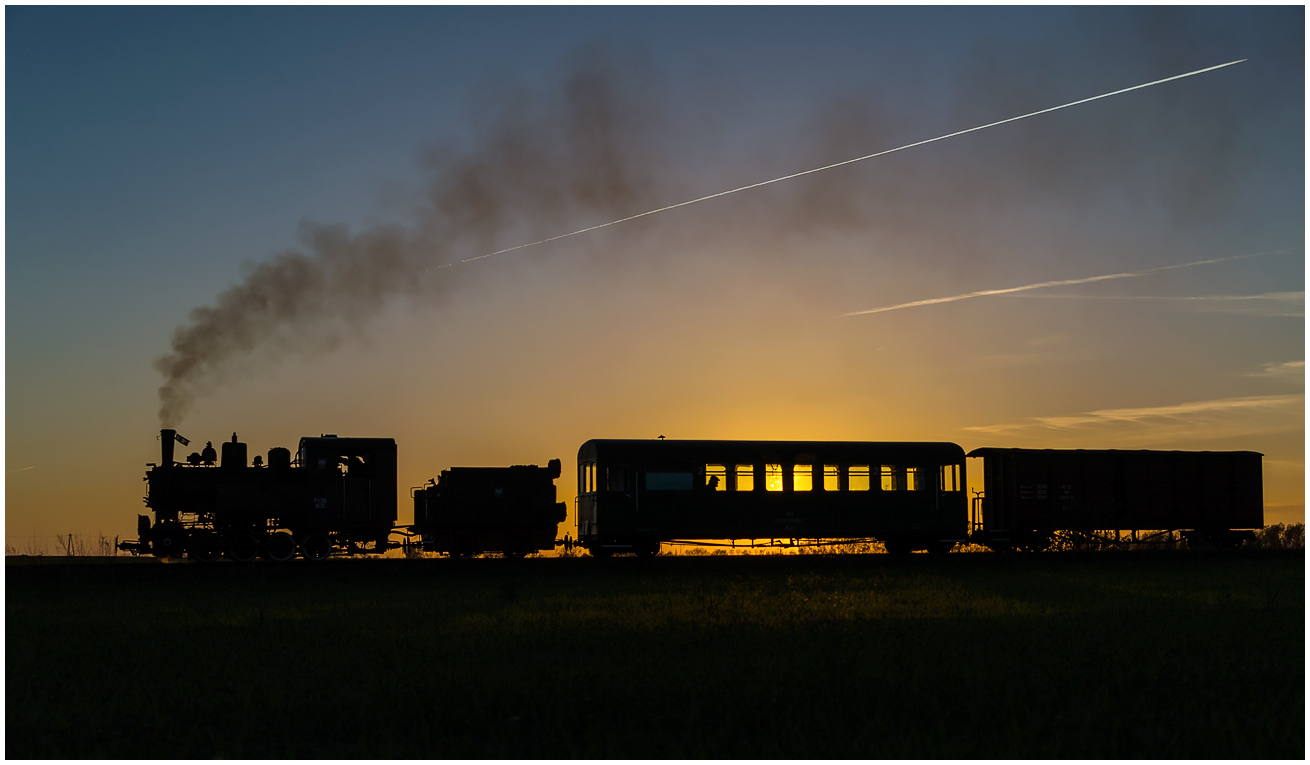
(1066,282)
(1198,415)
(1265,304)
(1277,369)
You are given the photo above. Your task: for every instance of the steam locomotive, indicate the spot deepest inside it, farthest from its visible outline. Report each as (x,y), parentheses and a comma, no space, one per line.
(338,496)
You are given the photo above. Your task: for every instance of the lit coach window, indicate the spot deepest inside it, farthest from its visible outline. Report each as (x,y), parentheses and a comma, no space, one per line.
(745,478)
(802,477)
(949,477)
(716,477)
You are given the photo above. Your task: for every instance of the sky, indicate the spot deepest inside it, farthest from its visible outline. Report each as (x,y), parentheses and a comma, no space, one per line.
(253,220)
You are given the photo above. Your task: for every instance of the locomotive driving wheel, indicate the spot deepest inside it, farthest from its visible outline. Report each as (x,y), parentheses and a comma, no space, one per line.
(205,547)
(243,548)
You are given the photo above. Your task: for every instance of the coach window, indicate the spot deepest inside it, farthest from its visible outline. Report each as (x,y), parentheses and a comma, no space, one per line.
(668,481)
(859,478)
(615,476)
(949,478)
(589,478)
(772,477)
(716,478)
(802,477)
(916,479)
(745,478)
(889,482)
(831,478)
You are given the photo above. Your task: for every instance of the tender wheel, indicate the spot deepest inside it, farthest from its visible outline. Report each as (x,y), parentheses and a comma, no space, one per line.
(315,547)
(243,548)
(280,547)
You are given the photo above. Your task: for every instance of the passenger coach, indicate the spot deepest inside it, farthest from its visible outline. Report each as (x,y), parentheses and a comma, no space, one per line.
(635,494)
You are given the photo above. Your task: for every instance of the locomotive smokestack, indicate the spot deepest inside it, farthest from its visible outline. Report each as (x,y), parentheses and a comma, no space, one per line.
(166,437)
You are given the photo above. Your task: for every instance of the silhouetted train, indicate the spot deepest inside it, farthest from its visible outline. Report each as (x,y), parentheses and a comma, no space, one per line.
(633,495)
(339,496)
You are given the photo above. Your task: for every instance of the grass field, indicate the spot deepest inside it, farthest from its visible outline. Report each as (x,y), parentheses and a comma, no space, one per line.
(1170,654)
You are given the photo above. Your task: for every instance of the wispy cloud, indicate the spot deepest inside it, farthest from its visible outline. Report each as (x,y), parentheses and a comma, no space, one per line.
(1264,304)
(19,470)
(1277,369)
(1193,419)
(1066,282)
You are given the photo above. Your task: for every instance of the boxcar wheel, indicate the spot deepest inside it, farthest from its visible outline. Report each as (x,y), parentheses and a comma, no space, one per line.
(315,547)
(280,547)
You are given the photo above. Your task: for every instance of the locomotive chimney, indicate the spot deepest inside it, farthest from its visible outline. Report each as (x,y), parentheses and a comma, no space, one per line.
(166,437)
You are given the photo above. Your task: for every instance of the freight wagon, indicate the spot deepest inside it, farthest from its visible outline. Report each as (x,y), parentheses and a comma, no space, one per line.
(1029,494)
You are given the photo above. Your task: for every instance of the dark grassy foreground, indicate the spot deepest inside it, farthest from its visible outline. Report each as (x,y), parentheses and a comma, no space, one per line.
(1114,655)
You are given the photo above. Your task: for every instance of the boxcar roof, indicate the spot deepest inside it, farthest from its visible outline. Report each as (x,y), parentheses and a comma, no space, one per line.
(988,451)
(675,450)
(331,441)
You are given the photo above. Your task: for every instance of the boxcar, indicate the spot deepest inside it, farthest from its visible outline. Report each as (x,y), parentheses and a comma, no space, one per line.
(635,494)
(471,510)
(1030,493)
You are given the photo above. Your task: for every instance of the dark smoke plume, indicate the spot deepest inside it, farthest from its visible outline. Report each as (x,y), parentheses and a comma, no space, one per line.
(584,155)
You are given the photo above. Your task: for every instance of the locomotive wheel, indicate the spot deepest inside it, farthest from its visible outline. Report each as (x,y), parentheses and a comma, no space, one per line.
(280,547)
(315,547)
(243,548)
(205,548)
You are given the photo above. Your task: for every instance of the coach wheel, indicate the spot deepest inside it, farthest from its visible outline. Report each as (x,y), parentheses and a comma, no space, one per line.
(315,547)
(280,547)
(243,548)
(898,547)
(205,548)
(940,548)
(600,552)
(515,554)
(648,550)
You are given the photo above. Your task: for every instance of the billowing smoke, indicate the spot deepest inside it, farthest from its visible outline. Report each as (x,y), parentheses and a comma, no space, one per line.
(583,154)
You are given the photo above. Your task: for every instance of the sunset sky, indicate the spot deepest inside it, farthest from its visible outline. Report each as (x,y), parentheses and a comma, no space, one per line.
(300,173)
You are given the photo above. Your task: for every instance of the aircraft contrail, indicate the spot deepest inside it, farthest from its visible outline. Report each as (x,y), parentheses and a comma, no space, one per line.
(1065,282)
(839,164)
